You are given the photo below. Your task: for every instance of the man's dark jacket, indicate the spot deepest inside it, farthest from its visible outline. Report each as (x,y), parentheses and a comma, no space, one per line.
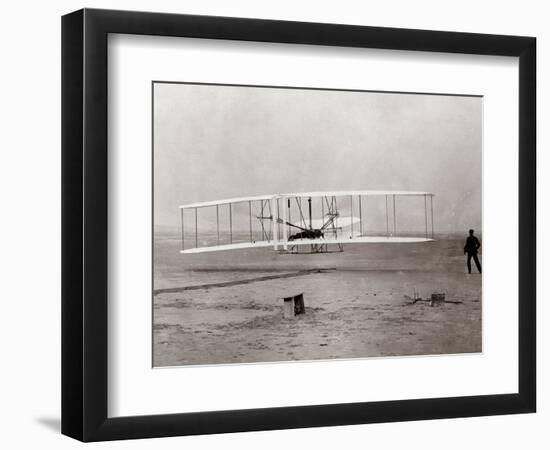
(472,244)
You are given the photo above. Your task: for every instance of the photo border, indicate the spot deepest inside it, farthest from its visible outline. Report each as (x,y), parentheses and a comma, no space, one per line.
(84,224)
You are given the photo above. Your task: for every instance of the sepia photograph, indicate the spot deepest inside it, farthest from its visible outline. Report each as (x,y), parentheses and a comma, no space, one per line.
(278,220)
(305,224)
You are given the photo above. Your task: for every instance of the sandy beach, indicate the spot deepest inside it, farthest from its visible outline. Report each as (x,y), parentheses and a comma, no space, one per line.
(227,307)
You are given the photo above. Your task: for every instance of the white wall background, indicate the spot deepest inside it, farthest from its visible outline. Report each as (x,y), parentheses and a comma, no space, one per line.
(30,221)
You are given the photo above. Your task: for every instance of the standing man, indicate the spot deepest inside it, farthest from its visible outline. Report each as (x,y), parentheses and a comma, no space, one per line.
(471,247)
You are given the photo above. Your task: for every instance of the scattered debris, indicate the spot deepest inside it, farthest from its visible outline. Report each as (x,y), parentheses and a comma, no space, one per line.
(436,299)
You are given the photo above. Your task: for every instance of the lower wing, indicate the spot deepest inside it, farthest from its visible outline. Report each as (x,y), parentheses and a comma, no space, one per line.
(282,245)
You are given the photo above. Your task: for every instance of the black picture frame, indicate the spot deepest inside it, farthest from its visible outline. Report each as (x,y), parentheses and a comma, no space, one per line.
(84,224)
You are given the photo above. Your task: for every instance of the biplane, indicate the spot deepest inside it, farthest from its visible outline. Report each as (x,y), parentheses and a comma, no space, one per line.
(313,221)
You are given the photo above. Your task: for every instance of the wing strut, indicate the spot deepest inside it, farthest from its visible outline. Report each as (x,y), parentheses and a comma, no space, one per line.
(274,224)
(426,215)
(387,219)
(289,215)
(182,235)
(285,229)
(250,218)
(432,211)
(351,213)
(278,218)
(230,225)
(196,228)
(218,222)
(299,204)
(309,207)
(394,218)
(360,216)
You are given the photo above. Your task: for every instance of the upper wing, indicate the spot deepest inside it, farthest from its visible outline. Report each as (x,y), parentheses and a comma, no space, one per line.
(226,201)
(303,195)
(352,193)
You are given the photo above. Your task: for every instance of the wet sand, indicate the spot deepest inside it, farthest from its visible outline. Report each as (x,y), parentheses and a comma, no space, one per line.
(357,310)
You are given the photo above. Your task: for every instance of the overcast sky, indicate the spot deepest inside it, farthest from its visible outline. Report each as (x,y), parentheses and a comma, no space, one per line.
(215,142)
